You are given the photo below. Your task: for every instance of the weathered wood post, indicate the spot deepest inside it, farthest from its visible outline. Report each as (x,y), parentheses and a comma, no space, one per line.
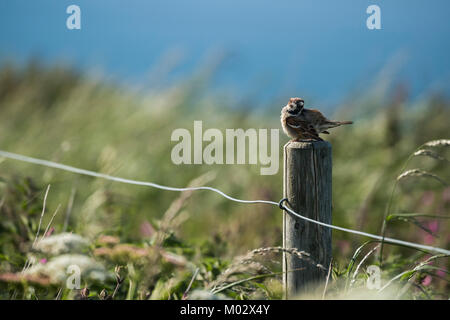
(307,187)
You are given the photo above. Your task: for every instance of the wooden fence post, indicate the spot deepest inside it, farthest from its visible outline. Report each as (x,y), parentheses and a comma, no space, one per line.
(307,186)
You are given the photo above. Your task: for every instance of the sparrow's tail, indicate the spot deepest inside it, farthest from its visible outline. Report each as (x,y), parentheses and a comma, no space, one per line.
(339,123)
(333,124)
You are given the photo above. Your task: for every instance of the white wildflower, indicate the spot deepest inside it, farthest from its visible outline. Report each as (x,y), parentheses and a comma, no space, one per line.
(62,243)
(206,295)
(57,268)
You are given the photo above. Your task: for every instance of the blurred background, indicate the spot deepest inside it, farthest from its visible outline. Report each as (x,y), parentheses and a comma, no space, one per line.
(268,50)
(108,96)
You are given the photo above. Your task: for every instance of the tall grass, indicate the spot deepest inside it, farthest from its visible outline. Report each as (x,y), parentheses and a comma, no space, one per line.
(150,243)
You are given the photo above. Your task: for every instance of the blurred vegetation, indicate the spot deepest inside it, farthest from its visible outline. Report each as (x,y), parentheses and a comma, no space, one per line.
(143,243)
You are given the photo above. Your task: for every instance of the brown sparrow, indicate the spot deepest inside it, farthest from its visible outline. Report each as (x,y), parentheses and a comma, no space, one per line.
(300,123)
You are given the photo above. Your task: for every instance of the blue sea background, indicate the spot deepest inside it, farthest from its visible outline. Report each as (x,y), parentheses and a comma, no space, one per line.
(268,49)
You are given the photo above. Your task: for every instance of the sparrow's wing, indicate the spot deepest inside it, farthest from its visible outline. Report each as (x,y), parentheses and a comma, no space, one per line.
(301,126)
(296,123)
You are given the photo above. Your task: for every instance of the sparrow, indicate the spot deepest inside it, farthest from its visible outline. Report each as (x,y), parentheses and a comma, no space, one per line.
(300,123)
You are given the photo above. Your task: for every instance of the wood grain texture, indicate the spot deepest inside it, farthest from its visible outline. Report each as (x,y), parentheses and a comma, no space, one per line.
(307,186)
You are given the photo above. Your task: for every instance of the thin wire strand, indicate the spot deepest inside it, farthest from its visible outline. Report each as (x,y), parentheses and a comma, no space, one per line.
(64,167)
(373,236)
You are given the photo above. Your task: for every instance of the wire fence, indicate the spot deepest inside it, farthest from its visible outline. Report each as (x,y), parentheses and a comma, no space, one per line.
(55,165)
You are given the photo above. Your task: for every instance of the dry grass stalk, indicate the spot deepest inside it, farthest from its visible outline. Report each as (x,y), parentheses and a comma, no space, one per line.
(361,263)
(42,216)
(328,279)
(420,173)
(438,143)
(50,223)
(300,254)
(167,221)
(28,263)
(247,263)
(429,153)
(185,294)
